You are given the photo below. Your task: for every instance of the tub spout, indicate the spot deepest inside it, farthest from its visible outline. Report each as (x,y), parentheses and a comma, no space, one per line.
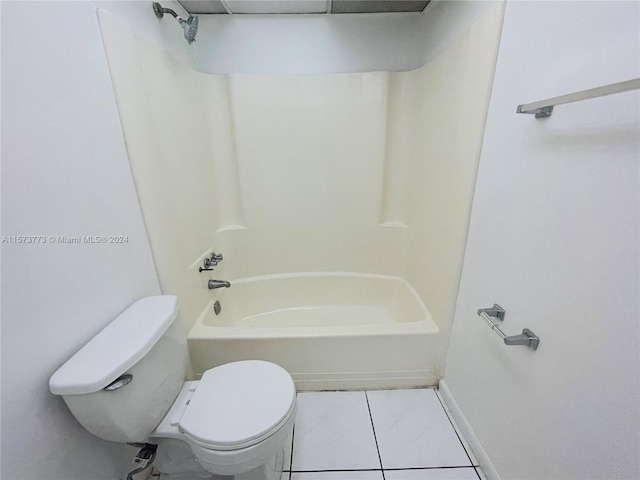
(218,284)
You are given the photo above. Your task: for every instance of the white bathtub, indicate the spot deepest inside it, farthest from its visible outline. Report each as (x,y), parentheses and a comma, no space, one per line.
(329,330)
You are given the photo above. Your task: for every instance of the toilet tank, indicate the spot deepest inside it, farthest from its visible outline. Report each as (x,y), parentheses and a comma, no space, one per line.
(144,342)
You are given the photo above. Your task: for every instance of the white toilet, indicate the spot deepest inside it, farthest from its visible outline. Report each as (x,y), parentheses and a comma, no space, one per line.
(128,385)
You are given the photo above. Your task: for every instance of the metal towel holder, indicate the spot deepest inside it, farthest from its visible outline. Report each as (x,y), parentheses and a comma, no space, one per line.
(490,315)
(544,108)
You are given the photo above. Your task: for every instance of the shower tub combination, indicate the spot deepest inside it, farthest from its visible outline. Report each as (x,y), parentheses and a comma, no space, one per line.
(329,330)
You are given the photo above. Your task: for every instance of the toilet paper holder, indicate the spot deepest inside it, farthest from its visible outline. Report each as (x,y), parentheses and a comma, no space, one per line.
(527,337)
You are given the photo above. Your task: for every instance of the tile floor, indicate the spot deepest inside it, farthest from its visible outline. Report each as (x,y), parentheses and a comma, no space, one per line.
(376,435)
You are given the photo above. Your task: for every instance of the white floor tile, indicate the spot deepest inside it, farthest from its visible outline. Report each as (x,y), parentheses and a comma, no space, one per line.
(432,474)
(413,430)
(337,475)
(333,432)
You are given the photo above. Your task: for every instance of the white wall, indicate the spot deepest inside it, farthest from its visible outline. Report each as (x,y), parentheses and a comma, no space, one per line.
(554,240)
(64,172)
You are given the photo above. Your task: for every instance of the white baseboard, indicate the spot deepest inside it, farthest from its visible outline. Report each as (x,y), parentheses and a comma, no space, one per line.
(481,456)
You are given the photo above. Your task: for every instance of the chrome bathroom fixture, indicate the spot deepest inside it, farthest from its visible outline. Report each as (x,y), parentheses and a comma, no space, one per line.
(211,261)
(490,315)
(119,382)
(213,284)
(190,25)
(544,108)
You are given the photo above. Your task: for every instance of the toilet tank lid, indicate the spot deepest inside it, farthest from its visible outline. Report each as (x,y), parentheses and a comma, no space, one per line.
(117,348)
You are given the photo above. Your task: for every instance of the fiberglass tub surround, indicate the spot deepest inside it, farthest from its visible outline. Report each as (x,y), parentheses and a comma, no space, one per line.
(329,330)
(368,174)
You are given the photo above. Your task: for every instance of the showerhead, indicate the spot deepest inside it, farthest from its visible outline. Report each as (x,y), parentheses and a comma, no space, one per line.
(190,25)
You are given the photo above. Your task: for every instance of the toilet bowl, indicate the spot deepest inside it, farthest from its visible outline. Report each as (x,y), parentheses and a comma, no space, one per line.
(234,421)
(128,385)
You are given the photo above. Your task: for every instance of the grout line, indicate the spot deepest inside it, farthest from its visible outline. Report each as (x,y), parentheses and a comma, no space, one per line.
(293,436)
(476,470)
(386,469)
(429,468)
(374,433)
(465,443)
(341,470)
(455,431)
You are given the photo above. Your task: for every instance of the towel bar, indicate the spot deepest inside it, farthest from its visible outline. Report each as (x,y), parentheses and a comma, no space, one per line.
(490,315)
(544,108)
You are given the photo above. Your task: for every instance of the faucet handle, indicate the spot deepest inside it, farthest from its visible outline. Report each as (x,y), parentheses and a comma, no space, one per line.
(211,261)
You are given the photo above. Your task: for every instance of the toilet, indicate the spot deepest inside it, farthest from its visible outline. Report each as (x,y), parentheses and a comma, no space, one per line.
(128,385)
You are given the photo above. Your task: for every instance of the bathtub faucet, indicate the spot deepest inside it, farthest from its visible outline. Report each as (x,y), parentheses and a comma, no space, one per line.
(218,284)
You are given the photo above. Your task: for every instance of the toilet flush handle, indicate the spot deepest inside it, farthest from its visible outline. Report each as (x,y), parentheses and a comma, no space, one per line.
(119,382)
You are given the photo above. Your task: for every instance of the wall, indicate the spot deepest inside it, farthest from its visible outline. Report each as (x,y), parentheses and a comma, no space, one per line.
(170,147)
(164,33)
(554,240)
(301,172)
(449,103)
(64,172)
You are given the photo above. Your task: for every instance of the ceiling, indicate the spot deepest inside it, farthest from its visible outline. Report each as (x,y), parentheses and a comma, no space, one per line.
(195,7)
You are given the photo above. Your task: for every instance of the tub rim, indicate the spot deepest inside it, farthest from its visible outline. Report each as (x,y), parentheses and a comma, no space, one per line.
(201,331)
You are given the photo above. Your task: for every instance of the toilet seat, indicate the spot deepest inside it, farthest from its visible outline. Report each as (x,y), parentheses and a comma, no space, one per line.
(238,405)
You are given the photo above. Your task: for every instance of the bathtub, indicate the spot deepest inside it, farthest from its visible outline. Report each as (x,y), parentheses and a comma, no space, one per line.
(331,331)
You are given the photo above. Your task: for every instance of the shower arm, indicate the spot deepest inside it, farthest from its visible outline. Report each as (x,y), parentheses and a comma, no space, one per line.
(160,11)
(190,25)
